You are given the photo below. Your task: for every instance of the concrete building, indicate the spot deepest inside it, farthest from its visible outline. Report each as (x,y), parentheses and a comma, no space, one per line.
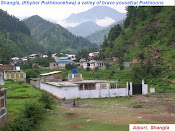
(6,67)
(88,89)
(3,107)
(93,65)
(33,56)
(51,76)
(62,65)
(80,88)
(16,75)
(35,82)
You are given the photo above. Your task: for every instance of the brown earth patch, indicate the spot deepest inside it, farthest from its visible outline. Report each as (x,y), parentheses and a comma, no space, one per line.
(52,114)
(141,108)
(71,115)
(18,97)
(75,127)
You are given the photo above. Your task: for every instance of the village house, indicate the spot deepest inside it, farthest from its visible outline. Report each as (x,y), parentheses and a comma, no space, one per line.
(5,68)
(3,107)
(51,76)
(93,64)
(33,56)
(72,57)
(16,75)
(77,87)
(62,65)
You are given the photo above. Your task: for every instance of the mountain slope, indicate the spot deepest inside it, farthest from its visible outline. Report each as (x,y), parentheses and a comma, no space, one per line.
(98,36)
(84,29)
(15,35)
(148,40)
(54,37)
(97,12)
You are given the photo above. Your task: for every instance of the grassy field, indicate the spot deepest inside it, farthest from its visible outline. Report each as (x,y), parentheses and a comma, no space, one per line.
(69,118)
(104,114)
(18,95)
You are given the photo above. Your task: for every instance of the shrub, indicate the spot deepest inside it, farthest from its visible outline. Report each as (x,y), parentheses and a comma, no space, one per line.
(20,82)
(19,124)
(70,66)
(34,112)
(46,100)
(88,69)
(107,65)
(32,73)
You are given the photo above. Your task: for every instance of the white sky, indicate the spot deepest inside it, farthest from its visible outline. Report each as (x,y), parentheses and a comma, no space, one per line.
(54,12)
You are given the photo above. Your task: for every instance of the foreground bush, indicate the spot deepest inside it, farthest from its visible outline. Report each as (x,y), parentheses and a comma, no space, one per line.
(33,113)
(46,100)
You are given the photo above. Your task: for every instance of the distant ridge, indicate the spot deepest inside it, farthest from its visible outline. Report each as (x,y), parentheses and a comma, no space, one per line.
(84,29)
(97,12)
(54,37)
(93,20)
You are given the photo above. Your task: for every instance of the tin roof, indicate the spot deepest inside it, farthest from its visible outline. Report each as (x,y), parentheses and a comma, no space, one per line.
(50,73)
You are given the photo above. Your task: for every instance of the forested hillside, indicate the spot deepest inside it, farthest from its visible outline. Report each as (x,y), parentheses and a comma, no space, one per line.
(98,37)
(54,37)
(147,39)
(15,38)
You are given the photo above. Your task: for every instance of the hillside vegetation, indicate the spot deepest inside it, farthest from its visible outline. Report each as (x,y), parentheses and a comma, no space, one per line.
(98,36)
(147,39)
(15,38)
(54,37)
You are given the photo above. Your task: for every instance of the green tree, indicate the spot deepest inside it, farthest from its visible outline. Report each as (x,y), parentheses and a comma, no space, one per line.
(49,54)
(114,32)
(70,66)
(5,54)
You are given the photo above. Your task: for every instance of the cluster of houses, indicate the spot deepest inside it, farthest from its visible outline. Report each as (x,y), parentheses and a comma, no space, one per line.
(61,62)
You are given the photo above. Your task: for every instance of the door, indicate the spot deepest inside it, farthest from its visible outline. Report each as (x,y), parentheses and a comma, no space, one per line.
(137,89)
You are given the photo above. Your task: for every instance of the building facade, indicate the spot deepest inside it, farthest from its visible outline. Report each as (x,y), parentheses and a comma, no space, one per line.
(16,75)
(51,76)
(3,107)
(89,89)
(35,82)
(93,65)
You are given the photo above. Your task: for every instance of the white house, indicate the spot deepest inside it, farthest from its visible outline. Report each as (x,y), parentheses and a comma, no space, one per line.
(73,89)
(33,56)
(93,64)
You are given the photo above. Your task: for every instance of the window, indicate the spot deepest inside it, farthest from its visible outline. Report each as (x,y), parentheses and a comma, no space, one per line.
(17,75)
(81,87)
(12,75)
(103,86)
(2,103)
(90,86)
(21,75)
(1,94)
(8,75)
